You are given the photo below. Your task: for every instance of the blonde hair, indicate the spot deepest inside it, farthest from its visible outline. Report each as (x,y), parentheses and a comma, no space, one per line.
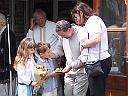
(42,47)
(22,56)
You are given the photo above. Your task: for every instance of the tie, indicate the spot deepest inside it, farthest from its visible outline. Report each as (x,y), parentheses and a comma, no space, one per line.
(42,33)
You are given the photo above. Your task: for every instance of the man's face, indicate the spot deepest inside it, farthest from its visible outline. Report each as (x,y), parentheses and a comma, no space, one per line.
(66,34)
(40,20)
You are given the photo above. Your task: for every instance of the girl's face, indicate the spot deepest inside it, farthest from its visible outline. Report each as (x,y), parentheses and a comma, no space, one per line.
(30,51)
(79,19)
(46,54)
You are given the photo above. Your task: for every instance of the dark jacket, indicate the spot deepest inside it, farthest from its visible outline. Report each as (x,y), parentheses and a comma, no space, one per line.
(4,52)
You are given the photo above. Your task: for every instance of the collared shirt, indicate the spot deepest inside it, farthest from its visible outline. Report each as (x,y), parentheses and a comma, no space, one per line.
(46,33)
(71,48)
(50,83)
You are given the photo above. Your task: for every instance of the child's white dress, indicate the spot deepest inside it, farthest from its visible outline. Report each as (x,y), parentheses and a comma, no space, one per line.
(25,76)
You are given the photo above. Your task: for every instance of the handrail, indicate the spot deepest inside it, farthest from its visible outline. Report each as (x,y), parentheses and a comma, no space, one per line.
(116,29)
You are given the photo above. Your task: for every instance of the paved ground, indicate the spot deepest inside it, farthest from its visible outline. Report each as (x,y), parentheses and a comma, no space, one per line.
(4,89)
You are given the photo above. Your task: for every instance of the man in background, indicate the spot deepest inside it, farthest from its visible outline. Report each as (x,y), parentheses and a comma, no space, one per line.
(4,54)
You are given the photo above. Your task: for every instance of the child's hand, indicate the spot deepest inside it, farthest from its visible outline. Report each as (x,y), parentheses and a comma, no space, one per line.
(43,76)
(34,83)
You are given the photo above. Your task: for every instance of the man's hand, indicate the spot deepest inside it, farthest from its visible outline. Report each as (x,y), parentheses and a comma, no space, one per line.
(32,24)
(67,68)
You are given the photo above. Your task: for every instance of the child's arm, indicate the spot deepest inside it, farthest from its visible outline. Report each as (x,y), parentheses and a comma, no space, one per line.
(53,74)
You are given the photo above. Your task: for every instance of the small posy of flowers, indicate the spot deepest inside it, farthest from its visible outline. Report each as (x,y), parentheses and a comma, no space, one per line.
(40,72)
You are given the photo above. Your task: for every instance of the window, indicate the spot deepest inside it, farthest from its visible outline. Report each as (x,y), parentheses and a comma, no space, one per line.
(113,13)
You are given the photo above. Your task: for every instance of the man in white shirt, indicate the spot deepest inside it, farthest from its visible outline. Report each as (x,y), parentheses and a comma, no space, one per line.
(76,82)
(41,29)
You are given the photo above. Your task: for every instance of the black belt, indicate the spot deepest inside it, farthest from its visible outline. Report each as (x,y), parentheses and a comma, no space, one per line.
(22,84)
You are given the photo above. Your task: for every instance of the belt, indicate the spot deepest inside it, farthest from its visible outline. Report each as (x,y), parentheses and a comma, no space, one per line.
(22,84)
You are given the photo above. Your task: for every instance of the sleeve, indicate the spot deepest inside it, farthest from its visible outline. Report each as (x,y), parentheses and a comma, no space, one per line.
(58,51)
(95,22)
(76,63)
(30,34)
(13,46)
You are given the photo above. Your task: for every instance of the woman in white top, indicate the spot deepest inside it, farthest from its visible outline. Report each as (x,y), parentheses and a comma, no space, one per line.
(94,45)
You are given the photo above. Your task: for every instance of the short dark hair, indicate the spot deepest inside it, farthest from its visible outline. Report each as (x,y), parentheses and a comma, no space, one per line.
(62,25)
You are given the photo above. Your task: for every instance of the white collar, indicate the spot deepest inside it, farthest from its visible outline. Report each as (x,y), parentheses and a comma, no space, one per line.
(43,60)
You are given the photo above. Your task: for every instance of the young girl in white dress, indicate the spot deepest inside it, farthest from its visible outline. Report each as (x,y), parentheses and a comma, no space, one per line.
(24,66)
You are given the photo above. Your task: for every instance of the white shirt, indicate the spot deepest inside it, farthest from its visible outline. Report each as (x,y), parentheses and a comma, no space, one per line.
(47,33)
(25,73)
(94,25)
(71,48)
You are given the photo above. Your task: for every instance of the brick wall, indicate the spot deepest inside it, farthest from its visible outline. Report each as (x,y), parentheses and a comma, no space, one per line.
(4,6)
(19,25)
(19,20)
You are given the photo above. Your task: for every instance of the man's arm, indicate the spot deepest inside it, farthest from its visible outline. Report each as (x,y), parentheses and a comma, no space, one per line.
(74,65)
(58,50)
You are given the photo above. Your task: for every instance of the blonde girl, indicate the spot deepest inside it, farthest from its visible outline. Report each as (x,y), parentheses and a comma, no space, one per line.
(24,66)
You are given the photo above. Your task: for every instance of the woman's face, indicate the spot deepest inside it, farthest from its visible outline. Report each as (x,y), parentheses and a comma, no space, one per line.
(79,19)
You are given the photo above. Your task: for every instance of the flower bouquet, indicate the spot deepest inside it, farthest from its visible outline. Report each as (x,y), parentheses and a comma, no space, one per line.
(40,73)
